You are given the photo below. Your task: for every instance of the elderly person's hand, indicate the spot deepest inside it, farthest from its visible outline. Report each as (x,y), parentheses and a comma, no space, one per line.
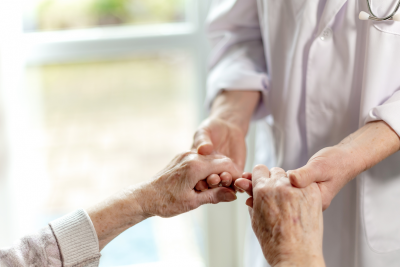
(172,191)
(169,193)
(286,220)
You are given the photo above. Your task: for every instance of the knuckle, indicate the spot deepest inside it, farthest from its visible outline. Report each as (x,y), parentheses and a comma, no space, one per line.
(277,169)
(192,160)
(227,162)
(194,165)
(189,154)
(258,167)
(186,155)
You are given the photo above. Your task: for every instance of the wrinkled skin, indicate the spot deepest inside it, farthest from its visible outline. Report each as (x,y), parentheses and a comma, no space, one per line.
(172,191)
(169,193)
(286,220)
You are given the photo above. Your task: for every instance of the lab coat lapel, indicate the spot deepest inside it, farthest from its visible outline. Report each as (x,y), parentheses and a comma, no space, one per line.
(332,7)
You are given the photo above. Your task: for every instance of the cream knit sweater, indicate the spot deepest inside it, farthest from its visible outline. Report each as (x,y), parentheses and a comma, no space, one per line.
(68,241)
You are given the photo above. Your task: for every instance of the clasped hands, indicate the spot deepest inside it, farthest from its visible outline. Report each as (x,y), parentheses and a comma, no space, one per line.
(285,207)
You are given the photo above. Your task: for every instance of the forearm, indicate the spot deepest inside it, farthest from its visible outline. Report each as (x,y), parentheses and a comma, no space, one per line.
(236,107)
(314,262)
(371,144)
(116,214)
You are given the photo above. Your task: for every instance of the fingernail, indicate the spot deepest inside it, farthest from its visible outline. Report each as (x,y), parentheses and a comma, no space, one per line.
(240,189)
(229,196)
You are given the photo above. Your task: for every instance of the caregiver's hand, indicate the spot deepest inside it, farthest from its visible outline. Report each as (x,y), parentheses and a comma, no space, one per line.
(286,220)
(333,167)
(225,130)
(169,193)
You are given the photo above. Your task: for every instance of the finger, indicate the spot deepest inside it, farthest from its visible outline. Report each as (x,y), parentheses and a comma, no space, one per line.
(216,195)
(249,202)
(278,173)
(213,180)
(201,185)
(260,173)
(305,175)
(220,164)
(202,142)
(226,178)
(246,175)
(245,185)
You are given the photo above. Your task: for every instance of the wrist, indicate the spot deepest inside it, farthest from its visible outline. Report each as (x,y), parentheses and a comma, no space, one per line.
(116,214)
(314,263)
(352,159)
(312,260)
(233,118)
(371,144)
(235,107)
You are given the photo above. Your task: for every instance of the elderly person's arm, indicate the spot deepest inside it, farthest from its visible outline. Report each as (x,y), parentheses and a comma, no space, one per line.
(77,238)
(286,220)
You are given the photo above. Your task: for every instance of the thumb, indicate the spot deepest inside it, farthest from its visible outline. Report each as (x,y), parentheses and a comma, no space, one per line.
(305,175)
(216,195)
(202,142)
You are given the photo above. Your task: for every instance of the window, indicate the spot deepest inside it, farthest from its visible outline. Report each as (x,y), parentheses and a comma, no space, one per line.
(110,91)
(110,124)
(44,15)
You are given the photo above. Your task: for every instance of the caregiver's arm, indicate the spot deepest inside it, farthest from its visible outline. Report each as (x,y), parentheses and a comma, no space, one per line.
(333,167)
(224,131)
(237,75)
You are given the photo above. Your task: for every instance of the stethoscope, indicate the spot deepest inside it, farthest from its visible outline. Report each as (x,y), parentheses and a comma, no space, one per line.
(365,16)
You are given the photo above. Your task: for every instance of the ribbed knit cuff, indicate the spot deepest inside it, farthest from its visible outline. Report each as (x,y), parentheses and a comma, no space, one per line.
(77,239)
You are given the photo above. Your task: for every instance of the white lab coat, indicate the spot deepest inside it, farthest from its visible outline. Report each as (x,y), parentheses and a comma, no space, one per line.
(323,74)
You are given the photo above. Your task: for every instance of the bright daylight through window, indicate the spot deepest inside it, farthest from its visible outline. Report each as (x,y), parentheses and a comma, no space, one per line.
(44,15)
(106,118)
(111,124)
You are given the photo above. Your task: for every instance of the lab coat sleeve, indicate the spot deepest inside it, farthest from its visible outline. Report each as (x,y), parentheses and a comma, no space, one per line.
(237,59)
(388,112)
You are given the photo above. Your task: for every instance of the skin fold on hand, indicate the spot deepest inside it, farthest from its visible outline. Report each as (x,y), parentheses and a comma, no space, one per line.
(224,132)
(286,220)
(333,167)
(171,192)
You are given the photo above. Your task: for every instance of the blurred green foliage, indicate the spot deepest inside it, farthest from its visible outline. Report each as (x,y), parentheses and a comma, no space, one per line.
(111,11)
(70,14)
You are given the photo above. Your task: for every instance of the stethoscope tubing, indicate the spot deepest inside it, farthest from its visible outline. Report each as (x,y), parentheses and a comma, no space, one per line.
(374,17)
